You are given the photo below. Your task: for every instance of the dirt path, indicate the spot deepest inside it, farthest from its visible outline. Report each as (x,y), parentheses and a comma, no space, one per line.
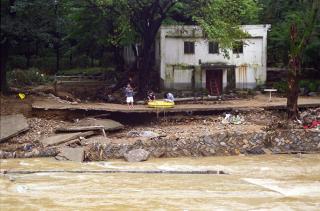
(260,101)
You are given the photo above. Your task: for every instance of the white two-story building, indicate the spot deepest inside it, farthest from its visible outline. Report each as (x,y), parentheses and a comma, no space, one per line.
(187,60)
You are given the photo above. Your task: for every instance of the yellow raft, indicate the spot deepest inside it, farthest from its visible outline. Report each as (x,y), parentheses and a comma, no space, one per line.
(160,104)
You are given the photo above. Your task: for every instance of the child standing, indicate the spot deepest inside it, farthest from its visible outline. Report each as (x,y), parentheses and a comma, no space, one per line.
(129,96)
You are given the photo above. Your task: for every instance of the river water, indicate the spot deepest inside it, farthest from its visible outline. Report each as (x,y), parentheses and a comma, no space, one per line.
(270,182)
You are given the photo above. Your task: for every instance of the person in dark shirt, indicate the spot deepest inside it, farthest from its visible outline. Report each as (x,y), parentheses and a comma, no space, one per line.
(150,96)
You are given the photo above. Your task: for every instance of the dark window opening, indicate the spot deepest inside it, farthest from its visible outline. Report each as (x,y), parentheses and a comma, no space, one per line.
(213,48)
(238,47)
(189,47)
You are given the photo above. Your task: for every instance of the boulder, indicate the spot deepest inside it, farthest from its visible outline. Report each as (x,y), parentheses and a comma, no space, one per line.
(12,125)
(137,155)
(72,154)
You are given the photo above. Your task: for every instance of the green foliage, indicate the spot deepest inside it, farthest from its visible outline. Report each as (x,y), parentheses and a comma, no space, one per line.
(221,20)
(281,14)
(311,85)
(282,86)
(27,77)
(86,71)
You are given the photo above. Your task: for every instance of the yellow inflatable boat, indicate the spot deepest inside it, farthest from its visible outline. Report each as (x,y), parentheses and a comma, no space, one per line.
(160,104)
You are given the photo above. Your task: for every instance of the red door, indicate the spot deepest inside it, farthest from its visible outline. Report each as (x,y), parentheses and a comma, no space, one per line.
(214,81)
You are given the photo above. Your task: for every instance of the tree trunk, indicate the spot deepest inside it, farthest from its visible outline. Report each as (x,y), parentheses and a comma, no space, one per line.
(293,93)
(4,59)
(70,60)
(57,58)
(28,57)
(145,66)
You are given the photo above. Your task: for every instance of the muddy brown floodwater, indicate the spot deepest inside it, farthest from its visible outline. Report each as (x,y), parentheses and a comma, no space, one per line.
(267,182)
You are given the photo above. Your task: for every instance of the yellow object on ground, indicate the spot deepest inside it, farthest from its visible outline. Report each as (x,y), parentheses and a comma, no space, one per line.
(160,104)
(22,96)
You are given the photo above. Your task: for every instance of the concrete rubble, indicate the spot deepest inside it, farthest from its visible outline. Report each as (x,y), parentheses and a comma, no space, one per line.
(71,154)
(89,124)
(63,138)
(12,125)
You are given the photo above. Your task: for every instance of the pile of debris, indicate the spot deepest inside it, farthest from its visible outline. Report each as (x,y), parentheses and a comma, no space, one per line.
(233,119)
(311,119)
(68,138)
(67,141)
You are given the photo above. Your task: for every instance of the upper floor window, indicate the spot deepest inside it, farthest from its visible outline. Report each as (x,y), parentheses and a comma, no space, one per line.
(213,48)
(189,47)
(238,47)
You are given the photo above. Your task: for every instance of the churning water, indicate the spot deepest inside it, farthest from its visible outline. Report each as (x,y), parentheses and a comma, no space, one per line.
(273,182)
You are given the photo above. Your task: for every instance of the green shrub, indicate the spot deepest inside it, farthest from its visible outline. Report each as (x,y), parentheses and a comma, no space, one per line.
(311,85)
(28,77)
(281,86)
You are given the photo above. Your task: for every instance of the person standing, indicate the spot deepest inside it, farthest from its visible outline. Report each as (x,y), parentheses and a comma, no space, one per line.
(129,96)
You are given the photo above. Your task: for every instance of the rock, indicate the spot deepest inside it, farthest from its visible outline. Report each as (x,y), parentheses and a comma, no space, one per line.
(267,151)
(145,134)
(72,154)
(12,125)
(137,155)
(149,134)
(223,144)
(5,155)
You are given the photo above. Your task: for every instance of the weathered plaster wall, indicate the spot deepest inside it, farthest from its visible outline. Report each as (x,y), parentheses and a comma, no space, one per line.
(251,64)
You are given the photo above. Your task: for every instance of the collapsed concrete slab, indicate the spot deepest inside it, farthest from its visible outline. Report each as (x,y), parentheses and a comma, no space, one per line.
(72,154)
(90,124)
(63,138)
(12,125)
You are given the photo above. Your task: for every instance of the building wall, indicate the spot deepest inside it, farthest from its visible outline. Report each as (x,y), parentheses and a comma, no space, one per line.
(177,67)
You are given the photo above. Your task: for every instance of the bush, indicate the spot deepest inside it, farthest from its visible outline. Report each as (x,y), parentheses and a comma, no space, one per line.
(311,85)
(28,77)
(281,86)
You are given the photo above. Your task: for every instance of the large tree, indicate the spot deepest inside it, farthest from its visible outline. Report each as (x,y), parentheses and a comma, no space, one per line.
(25,25)
(302,25)
(220,20)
